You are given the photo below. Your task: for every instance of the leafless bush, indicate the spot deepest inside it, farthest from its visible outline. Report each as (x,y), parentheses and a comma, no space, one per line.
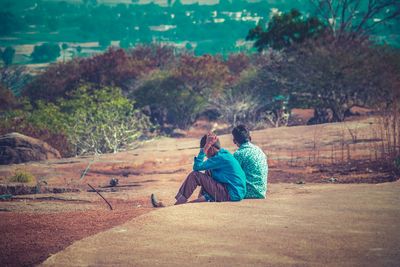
(238,107)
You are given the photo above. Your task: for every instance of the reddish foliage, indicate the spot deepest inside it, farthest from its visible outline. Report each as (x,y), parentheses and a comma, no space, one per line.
(202,73)
(7,99)
(114,67)
(238,63)
(154,56)
(55,82)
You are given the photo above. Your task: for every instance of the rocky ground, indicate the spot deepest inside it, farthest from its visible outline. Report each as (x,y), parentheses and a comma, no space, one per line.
(35,226)
(297,225)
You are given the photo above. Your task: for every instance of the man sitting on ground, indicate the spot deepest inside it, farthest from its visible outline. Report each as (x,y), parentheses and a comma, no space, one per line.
(253,162)
(227,181)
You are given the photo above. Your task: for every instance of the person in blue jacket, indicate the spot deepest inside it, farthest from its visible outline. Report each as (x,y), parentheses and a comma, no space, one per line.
(224,179)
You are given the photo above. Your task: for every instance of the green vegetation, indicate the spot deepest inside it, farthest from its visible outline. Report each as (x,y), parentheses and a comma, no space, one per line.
(204,29)
(45,52)
(169,100)
(91,120)
(284,30)
(109,101)
(21,176)
(7,55)
(100,121)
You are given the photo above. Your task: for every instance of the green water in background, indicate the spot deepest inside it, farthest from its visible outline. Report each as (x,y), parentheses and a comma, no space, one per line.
(95,25)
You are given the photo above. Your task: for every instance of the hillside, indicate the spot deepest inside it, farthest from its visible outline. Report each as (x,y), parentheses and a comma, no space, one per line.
(297,156)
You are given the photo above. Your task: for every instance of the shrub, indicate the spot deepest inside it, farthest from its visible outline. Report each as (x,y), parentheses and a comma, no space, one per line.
(55,82)
(45,52)
(112,68)
(21,176)
(90,120)
(102,120)
(7,99)
(169,100)
(248,101)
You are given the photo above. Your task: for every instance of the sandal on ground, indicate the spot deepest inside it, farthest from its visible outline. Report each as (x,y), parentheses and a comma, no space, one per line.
(155,202)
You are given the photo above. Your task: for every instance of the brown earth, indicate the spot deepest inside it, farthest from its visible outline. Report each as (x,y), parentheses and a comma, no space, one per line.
(28,238)
(36,226)
(297,225)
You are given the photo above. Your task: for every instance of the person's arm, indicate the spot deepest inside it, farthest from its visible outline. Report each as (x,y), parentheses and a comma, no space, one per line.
(209,164)
(210,141)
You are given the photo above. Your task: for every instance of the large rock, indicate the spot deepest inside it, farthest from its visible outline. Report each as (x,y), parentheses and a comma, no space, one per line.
(19,148)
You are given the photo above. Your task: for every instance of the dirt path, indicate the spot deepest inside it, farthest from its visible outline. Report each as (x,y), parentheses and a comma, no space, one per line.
(310,225)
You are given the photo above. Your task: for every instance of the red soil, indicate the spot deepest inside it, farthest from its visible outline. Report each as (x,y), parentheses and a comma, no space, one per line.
(28,239)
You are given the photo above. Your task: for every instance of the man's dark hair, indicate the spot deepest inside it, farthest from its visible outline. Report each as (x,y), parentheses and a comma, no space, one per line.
(203,142)
(241,134)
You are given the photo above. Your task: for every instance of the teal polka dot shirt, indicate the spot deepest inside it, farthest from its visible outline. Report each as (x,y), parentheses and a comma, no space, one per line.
(254,164)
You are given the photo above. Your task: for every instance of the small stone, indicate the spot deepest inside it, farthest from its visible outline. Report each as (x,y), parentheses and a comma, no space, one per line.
(114,182)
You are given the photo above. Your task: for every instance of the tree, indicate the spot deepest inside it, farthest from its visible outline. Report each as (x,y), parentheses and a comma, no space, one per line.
(46,52)
(98,120)
(115,67)
(8,55)
(205,75)
(56,82)
(387,98)
(238,107)
(169,99)
(238,62)
(349,19)
(251,100)
(155,56)
(285,29)
(102,120)
(64,48)
(327,76)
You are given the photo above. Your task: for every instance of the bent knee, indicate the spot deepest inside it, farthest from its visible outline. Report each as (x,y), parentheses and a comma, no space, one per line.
(194,173)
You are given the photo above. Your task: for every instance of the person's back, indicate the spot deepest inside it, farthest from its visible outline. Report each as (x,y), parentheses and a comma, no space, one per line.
(225,169)
(253,162)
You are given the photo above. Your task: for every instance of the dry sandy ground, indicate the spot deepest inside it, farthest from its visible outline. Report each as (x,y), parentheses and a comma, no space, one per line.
(297,225)
(33,227)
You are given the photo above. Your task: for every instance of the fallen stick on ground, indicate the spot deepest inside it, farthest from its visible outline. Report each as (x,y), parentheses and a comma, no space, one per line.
(101,196)
(86,170)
